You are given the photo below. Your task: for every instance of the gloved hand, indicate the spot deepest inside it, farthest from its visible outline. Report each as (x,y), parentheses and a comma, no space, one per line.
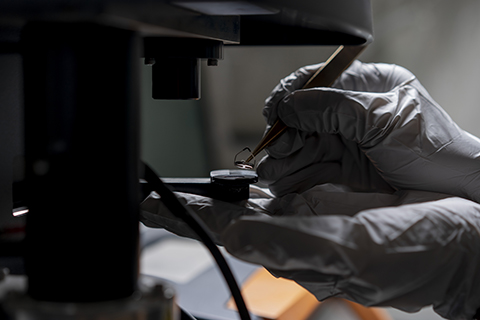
(377,129)
(406,250)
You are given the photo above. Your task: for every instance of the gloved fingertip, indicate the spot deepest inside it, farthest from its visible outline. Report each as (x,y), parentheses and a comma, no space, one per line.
(290,142)
(288,113)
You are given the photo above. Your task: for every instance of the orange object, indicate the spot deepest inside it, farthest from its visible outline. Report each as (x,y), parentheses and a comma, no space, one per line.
(365,313)
(276,298)
(281,299)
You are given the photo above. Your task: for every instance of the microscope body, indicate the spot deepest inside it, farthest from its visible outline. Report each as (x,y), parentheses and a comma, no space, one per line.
(77,90)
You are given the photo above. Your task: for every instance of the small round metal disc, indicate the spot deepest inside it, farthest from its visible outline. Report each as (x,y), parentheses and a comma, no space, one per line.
(243,165)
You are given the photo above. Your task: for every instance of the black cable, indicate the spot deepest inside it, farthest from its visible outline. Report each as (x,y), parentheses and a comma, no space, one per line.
(196,224)
(184,315)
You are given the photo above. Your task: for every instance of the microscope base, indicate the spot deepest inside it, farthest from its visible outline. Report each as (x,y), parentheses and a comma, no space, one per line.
(153,300)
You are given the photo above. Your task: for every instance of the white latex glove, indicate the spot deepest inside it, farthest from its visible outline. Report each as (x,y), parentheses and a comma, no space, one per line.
(406,250)
(377,129)
(215,213)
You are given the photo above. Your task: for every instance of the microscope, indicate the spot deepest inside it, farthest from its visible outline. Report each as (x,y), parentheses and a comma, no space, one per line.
(69,101)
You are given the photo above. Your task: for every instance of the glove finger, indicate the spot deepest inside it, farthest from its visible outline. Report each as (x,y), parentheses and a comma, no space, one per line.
(314,145)
(363,117)
(308,177)
(372,77)
(343,162)
(287,85)
(326,110)
(216,214)
(154,214)
(315,148)
(366,179)
(290,141)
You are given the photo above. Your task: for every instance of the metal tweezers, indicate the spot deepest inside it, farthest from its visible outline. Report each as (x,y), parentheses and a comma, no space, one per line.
(325,76)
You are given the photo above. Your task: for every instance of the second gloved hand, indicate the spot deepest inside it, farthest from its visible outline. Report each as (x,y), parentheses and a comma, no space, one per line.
(407,250)
(377,129)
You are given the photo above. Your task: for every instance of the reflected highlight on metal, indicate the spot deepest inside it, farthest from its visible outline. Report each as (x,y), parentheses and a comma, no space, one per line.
(243,164)
(17,212)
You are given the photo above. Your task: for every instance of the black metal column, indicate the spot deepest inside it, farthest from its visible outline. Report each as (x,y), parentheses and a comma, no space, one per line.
(82,151)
